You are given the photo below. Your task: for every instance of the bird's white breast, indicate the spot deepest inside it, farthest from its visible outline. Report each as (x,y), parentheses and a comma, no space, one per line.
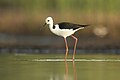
(62,32)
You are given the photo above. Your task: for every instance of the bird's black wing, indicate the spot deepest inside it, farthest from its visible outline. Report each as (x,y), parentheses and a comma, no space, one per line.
(67,25)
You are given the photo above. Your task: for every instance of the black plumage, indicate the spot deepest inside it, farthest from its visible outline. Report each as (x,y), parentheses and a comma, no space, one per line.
(53,26)
(67,25)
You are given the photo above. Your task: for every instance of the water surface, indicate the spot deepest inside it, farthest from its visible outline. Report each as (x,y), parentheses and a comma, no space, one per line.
(53,67)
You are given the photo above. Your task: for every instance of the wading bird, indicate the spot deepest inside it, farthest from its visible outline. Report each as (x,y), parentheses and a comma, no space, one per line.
(64,29)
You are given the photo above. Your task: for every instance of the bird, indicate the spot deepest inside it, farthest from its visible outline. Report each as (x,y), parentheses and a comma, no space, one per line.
(65,29)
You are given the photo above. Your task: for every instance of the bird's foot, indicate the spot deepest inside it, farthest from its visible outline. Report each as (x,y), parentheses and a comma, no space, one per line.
(73,58)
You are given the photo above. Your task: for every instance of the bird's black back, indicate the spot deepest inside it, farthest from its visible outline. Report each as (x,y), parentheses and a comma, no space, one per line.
(67,25)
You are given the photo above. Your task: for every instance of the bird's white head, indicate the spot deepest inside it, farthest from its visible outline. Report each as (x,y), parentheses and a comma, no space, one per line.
(49,20)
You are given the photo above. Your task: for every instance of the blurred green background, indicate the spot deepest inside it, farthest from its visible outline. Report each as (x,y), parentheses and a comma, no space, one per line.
(21,20)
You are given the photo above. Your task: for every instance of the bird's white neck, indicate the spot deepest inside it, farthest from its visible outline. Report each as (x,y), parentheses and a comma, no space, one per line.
(51,26)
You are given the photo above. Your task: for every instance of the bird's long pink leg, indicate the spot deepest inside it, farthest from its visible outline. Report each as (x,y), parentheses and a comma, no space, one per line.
(66,48)
(76,40)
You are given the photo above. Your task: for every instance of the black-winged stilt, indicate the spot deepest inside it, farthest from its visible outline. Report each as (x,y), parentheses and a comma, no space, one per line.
(64,29)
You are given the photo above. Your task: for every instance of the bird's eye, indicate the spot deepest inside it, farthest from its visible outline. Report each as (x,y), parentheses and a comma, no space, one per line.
(48,20)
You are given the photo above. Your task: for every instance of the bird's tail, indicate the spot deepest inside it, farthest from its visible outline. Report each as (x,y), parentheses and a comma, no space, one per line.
(83,25)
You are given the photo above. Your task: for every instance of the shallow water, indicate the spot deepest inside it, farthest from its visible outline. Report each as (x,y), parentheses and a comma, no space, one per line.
(53,67)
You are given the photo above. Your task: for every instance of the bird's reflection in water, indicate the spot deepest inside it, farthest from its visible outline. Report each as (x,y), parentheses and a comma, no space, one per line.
(67,71)
(69,66)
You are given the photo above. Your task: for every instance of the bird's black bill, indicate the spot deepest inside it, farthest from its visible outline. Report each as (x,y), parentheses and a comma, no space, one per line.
(43,26)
